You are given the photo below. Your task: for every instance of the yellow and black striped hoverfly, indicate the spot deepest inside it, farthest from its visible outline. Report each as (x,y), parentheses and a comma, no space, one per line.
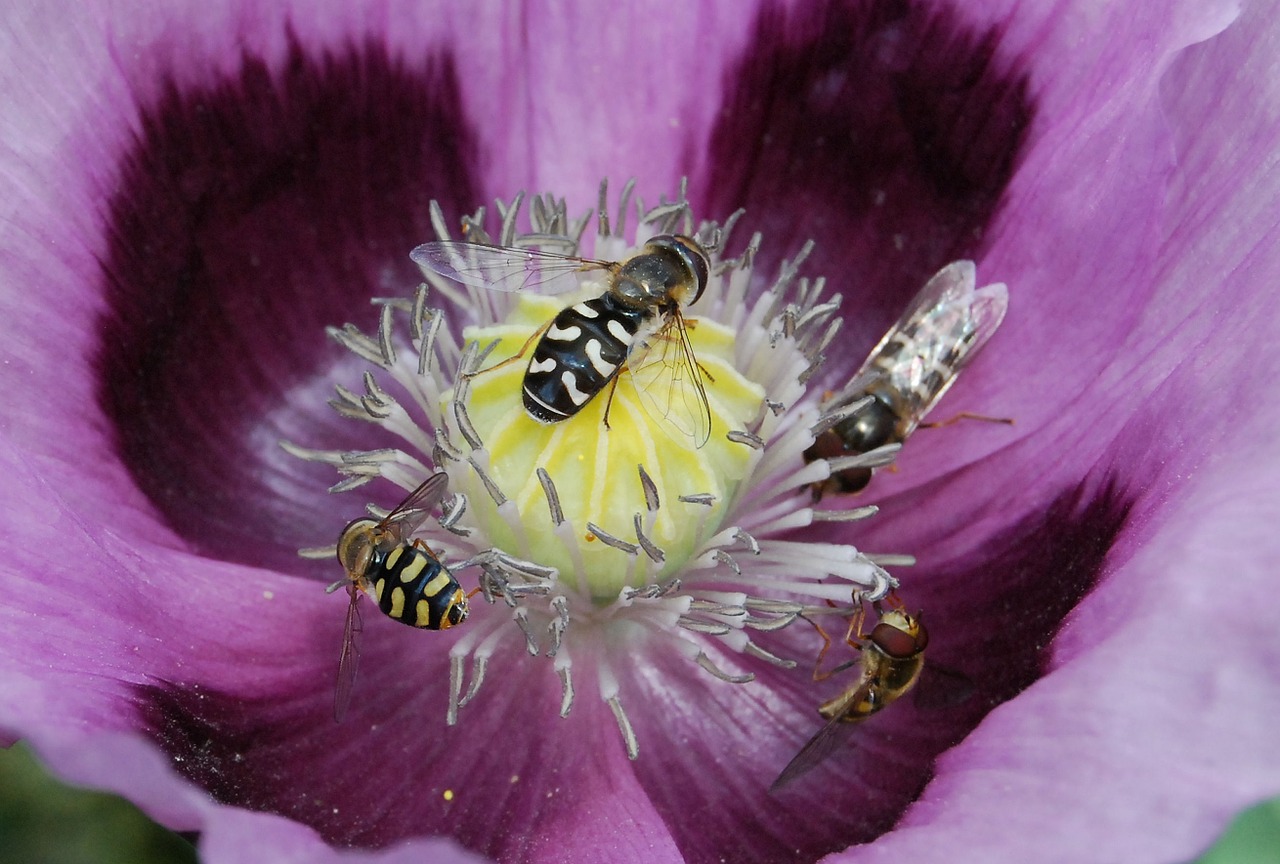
(405,578)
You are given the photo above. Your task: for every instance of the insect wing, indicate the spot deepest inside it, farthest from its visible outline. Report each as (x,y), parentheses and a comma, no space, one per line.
(815,751)
(414,510)
(950,315)
(669,381)
(941,332)
(349,659)
(503,268)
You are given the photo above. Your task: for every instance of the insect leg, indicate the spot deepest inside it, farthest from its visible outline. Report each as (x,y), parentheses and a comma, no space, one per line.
(537,334)
(855,621)
(855,625)
(965,415)
(613,388)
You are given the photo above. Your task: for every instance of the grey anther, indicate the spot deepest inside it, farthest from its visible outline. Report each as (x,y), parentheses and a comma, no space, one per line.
(650,489)
(624,726)
(756,651)
(455,505)
(526,627)
(876,458)
(559,624)
(755,442)
(566,690)
(710,628)
(427,351)
(478,668)
(489,485)
(725,558)
(609,540)
(747,540)
(553,498)
(706,663)
(851,515)
(650,548)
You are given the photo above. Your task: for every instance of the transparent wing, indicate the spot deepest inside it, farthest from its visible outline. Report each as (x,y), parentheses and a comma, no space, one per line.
(816,750)
(667,377)
(349,659)
(941,332)
(504,268)
(414,510)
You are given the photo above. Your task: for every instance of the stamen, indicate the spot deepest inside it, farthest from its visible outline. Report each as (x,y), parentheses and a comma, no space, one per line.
(760,654)
(747,540)
(655,554)
(768,625)
(707,627)
(478,667)
(706,663)
(559,624)
(455,507)
(725,558)
(743,437)
(609,540)
(468,431)
(650,490)
(456,662)
(492,488)
(709,578)
(427,351)
(420,314)
(566,685)
(852,515)
(531,638)
(624,726)
(553,500)
(876,458)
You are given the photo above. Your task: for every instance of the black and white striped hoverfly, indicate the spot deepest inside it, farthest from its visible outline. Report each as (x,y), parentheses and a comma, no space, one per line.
(403,576)
(905,375)
(637,324)
(892,658)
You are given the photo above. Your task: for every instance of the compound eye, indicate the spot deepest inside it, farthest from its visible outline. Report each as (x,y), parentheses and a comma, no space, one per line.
(355,546)
(898,644)
(691,255)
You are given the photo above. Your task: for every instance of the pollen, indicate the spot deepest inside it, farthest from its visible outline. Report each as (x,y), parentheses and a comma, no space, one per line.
(595,461)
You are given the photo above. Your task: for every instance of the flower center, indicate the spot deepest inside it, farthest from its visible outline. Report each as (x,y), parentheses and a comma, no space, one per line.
(597,460)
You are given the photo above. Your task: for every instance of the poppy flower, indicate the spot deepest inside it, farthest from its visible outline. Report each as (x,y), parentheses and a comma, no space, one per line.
(193,196)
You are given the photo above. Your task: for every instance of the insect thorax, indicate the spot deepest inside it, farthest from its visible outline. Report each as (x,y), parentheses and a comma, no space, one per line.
(659,276)
(871,426)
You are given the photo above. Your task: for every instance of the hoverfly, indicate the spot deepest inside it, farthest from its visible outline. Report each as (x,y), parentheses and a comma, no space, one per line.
(891,662)
(910,370)
(585,347)
(404,577)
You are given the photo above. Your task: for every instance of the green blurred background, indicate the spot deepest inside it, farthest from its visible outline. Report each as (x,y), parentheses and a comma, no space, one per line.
(45,822)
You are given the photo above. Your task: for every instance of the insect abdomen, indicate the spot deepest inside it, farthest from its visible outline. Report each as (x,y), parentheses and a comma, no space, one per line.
(582,351)
(415,589)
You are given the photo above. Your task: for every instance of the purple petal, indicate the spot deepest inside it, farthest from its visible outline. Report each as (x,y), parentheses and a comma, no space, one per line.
(1136,238)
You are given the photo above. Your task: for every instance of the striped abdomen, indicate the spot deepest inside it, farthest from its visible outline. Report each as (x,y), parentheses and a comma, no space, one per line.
(414,588)
(582,351)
